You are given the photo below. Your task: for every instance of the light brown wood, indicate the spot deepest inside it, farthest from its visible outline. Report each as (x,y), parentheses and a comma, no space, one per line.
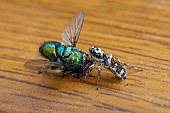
(136,31)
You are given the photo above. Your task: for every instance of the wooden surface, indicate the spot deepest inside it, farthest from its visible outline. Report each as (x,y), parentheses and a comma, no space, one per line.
(136,31)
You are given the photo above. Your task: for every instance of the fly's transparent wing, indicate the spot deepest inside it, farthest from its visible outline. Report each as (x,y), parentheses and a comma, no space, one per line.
(42,65)
(72,31)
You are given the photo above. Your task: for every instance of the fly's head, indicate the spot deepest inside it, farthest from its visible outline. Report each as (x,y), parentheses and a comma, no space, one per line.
(97,53)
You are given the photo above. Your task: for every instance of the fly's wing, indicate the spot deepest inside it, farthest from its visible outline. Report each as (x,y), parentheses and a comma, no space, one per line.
(72,31)
(42,65)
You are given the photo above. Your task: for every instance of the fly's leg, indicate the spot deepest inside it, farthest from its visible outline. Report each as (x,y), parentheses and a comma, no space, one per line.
(41,71)
(66,73)
(99,73)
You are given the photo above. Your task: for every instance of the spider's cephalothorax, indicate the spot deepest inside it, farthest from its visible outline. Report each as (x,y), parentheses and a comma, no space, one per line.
(97,52)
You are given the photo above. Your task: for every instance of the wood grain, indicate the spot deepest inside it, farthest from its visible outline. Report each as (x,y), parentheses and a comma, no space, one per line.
(136,31)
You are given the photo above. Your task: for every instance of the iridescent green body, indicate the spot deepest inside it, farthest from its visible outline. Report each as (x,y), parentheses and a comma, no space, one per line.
(68,55)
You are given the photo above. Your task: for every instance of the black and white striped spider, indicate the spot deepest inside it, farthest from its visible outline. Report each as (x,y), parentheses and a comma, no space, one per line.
(109,62)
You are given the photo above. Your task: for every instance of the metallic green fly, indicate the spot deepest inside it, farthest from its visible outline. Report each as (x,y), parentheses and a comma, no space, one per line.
(64,56)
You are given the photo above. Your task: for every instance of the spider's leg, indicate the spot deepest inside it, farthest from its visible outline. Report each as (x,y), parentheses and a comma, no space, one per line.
(88,69)
(134,67)
(86,75)
(99,73)
(125,82)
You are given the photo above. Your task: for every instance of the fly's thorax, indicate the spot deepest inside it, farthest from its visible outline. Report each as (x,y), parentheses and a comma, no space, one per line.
(73,57)
(97,52)
(67,50)
(48,49)
(59,50)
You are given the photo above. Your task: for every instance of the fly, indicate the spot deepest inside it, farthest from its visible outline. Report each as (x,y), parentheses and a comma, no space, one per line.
(64,56)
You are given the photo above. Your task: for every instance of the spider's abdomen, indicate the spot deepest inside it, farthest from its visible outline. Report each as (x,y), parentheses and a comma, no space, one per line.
(118,68)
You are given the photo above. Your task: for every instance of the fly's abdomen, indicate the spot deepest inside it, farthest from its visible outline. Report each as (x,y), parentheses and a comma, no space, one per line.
(48,50)
(55,51)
